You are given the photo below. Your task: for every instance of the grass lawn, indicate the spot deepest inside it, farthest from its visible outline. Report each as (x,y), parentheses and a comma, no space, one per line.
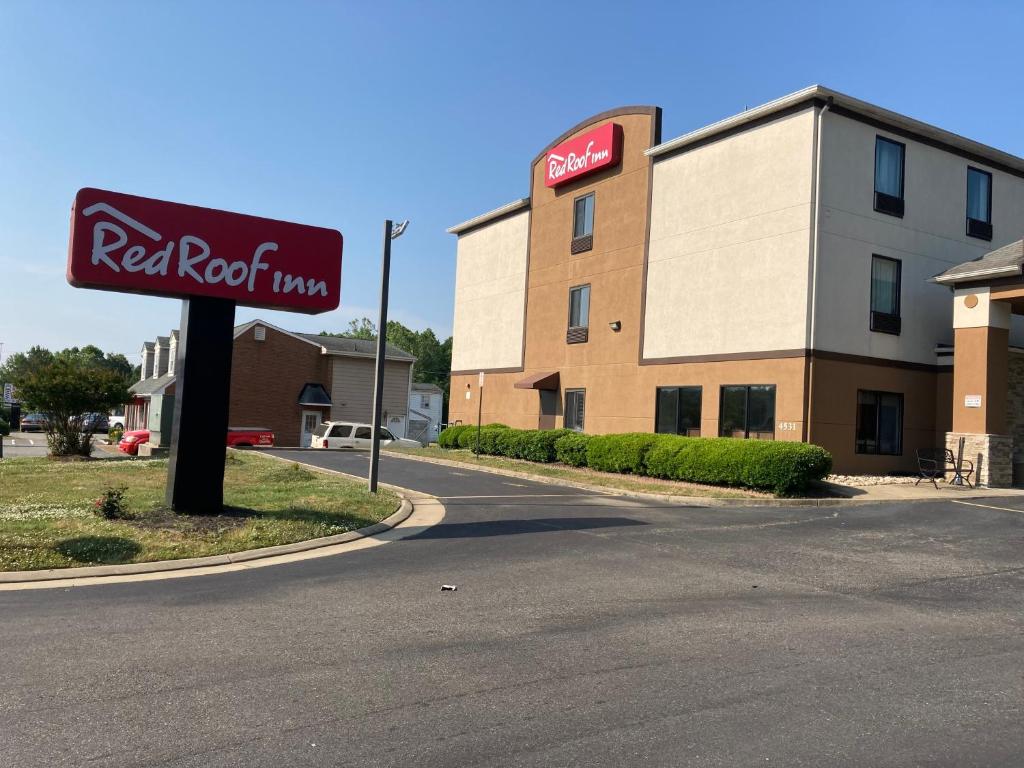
(581,475)
(47,517)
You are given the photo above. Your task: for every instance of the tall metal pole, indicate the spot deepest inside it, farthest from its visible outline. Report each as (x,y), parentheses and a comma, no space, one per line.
(479,412)
(378,378)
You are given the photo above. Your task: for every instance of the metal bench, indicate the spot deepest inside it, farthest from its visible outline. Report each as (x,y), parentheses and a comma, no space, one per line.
(935,464)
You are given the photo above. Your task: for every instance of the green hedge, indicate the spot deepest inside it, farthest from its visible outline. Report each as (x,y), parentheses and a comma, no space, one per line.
(784,468)
(571,449)
(781,467)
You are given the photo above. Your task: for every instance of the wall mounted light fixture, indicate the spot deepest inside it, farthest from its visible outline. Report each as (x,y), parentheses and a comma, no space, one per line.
(615,325)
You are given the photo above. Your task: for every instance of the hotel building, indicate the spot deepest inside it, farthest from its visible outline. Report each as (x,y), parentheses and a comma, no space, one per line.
(789,273)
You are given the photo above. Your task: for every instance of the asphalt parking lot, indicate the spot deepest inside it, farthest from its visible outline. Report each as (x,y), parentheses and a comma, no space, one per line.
(34,444)
(586,630)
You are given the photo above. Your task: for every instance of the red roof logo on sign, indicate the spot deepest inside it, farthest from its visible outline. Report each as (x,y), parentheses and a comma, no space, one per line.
(593,151)
(126,243)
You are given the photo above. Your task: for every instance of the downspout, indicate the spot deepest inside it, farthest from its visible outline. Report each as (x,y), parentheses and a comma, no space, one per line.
(815,247)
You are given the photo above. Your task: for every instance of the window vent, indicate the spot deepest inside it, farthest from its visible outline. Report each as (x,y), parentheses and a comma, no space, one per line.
(260,333)
(889,204)
(979,229)
(577,335)
(582,244)
(882,322)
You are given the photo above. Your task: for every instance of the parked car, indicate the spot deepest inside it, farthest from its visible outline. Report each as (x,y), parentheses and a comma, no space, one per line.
(116,419)
(95,422)
(346,434)
(238,437)
(131,440)
(250,437)
(34,422)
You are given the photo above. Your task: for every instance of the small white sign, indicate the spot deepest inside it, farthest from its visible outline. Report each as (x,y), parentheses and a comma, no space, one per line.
(468,394)
(481,378)
(972,401)
(8,394)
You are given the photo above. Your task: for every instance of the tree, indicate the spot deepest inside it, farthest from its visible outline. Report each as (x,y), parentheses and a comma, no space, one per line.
(66,385)
(67,388)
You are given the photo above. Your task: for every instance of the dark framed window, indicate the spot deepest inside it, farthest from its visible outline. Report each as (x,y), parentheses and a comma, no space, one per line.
(677,411)
(885,294)
(583,223)
(362,433)
(890,164)
(579,315)
(748,411)
(979,203)
(575,406)
(342,430)
(880,422)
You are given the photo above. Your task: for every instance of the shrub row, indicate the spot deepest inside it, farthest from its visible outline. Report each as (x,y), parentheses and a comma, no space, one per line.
(784,468)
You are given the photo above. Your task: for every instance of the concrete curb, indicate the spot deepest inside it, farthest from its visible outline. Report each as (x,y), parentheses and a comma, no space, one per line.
(682,501)
(402,514)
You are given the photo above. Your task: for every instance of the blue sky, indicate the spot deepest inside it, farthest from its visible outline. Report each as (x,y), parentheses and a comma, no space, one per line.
(343,114)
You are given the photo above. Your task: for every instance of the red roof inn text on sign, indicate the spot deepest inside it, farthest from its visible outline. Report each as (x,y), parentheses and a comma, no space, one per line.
(126,243)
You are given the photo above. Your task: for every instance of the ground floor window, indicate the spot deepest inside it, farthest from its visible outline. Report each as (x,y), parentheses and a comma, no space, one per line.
(677,411)
(879,422)
(748,411)
(574,407)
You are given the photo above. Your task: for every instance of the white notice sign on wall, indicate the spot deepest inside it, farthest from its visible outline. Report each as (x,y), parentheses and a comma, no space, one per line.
(972,401)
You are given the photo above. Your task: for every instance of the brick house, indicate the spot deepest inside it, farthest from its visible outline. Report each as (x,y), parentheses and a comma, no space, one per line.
(283,381)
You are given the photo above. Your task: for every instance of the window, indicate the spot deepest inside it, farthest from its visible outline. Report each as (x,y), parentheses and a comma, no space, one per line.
(677,411)
(579,314)
(885,294)
(880,423)
(889,166)
(979,203)
(362,433)
(341,430)
(574,407)
(583,224)
(385,434)
(748,411)
(424,401)
(320,431)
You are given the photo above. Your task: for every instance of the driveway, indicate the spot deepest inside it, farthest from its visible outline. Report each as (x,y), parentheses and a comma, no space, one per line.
(586,630)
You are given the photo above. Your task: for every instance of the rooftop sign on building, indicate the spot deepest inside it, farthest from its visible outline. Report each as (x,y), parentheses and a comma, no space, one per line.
(126,243)
(593,151)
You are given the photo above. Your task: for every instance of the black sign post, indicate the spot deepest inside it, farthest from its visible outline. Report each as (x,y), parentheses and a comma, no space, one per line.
(195,475)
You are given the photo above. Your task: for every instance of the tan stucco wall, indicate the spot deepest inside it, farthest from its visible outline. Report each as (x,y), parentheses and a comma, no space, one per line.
(622,398)
(490,283)
(929,239)
(730,225)
(834,412)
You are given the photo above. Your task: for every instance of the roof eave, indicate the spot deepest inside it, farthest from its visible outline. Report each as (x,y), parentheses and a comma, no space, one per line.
(976,275)
(484,218)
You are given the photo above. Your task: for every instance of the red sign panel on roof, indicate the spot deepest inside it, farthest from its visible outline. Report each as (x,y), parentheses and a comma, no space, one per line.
(593,151)
(125,243)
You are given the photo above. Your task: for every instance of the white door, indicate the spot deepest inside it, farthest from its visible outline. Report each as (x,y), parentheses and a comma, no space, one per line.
(310,421)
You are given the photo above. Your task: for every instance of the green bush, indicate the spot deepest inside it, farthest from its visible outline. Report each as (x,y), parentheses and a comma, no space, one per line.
(114,435)
(540,444)
(111,505)
(781,467)
(620,453)
(488,438)
(449,436)
(571,448)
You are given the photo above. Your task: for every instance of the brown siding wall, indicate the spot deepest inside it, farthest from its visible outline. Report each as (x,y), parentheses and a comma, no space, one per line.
(834,414)
(266,379)
(352,390)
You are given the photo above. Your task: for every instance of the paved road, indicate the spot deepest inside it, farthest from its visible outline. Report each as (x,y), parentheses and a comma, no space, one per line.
(19,444)
(585,631)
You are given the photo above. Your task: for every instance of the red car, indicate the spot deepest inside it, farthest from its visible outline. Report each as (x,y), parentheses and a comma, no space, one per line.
(130,441)
(238,437)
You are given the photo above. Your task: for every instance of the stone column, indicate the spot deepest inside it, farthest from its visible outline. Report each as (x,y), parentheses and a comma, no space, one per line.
(980,383)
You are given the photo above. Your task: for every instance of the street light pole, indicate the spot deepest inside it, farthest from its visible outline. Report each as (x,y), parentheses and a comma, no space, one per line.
(390,233)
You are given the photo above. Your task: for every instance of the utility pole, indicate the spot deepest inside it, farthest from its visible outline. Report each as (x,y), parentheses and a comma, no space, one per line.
(391,232)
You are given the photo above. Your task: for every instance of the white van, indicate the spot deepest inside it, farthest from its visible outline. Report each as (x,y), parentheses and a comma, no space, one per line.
(346,434)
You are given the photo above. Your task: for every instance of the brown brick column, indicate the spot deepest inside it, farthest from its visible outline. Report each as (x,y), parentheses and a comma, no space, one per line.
(980,384)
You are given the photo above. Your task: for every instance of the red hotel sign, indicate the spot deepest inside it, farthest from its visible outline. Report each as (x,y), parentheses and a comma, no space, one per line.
(594,150)
(135,244)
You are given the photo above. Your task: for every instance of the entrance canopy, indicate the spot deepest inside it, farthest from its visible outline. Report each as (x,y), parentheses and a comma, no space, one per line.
(546,381)
(986,293)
